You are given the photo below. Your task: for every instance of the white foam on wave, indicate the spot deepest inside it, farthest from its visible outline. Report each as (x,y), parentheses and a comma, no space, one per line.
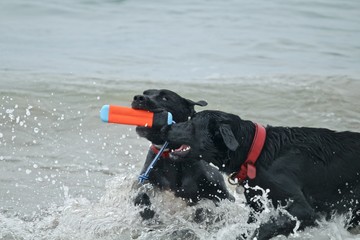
(114,216)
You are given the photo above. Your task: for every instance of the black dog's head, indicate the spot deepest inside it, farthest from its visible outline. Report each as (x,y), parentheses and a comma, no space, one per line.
(155,100)
(209,135)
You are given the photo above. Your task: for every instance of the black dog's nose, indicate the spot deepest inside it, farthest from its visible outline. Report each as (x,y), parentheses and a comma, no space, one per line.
(139,98)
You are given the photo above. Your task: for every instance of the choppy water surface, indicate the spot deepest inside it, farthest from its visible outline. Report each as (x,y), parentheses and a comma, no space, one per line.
(66,175)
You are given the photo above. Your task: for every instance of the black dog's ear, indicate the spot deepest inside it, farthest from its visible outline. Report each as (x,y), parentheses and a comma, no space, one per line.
(228,136)
(201,103)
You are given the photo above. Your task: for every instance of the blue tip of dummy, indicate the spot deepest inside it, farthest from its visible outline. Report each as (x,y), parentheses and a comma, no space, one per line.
(170,119)
(104,113)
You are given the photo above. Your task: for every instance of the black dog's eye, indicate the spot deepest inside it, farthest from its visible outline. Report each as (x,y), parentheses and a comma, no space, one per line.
(164,98)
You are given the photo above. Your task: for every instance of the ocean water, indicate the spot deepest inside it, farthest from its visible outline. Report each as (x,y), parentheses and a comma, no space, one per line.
(66,175)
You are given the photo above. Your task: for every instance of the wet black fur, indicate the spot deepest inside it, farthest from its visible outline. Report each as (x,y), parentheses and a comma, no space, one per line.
(317,169)
(191,180)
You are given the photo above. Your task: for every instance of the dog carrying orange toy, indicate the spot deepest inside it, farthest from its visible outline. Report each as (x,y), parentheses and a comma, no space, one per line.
(130,116)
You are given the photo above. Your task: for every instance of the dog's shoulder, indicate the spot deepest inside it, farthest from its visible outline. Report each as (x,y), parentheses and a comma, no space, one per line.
(319,144)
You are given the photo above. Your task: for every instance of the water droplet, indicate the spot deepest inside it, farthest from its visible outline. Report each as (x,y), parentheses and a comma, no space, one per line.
(28,171)
(36,130)
(1,135)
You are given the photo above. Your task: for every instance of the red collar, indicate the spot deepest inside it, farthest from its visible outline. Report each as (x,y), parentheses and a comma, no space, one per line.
(248,168)
(165,154)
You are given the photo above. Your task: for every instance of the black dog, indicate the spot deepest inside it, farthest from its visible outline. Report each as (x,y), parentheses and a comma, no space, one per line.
(310,171)
(191,180)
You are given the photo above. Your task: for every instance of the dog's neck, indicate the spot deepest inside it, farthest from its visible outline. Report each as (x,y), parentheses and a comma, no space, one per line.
(248,168)
(241,163)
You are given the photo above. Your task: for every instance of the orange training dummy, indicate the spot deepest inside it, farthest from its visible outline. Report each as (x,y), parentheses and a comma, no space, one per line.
(130,116)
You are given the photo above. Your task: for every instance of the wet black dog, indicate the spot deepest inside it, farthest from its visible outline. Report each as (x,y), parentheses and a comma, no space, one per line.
(191,180)
(311,171)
